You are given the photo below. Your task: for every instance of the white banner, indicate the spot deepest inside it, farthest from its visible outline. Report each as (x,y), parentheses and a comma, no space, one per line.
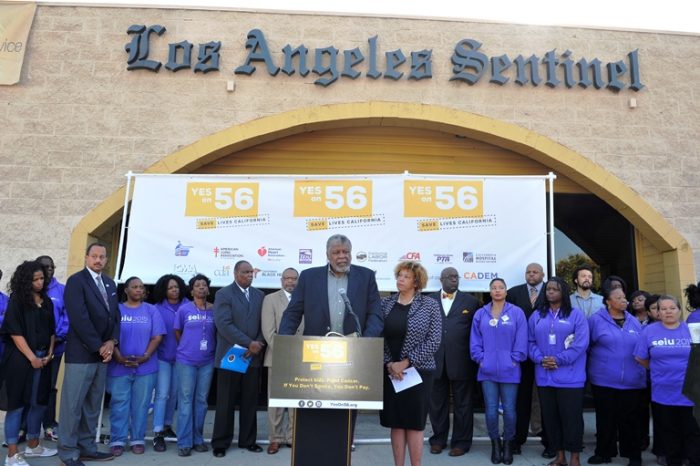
(485,227)
(15,23)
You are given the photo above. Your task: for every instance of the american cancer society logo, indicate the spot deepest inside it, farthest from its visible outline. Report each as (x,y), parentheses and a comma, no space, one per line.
(181,250)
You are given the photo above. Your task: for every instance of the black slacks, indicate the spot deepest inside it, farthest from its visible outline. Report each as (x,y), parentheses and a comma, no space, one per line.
(617,414)
(562,415)
(679,432)
(463,411)
(230,387)
(523,404)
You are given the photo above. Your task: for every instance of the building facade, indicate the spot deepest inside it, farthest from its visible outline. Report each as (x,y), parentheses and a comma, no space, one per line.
(104,91)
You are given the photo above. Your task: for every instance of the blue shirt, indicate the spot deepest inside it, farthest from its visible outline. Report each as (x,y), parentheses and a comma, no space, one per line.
(567,344)
(611,360)
(138,325)
(55,292)
(588,306)
(499,346)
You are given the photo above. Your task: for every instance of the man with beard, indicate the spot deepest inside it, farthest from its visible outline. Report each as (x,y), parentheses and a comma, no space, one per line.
(583,298)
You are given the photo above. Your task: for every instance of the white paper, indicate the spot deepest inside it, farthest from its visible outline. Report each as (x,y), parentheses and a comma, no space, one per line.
(694,332)
(411,378)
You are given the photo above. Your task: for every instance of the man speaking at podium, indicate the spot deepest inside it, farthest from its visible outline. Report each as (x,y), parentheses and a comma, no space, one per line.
(322,292)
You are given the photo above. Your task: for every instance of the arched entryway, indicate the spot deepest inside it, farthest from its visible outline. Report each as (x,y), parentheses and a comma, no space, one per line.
(382,137)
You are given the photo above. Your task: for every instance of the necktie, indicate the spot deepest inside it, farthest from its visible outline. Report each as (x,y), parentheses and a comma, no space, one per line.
(448,295)
(533,296)
(247,295)
(103,290)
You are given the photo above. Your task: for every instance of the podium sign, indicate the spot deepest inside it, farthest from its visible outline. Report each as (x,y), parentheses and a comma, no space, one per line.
(327,372)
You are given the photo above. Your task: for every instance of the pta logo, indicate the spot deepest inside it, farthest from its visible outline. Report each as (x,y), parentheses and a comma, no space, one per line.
(443,258)
(410,256)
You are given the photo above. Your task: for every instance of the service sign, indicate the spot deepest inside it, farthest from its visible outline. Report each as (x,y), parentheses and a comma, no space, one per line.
(327,372)
(485,227)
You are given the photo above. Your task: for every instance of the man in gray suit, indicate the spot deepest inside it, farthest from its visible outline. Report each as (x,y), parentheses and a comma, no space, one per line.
(273,306)
(237,310)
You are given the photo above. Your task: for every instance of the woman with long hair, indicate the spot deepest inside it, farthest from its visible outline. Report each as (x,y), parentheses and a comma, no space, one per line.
(498,344)
(558,337)
(194,364)
(131,375)
(169,294)
(692,293)
(28,331)
(412,332)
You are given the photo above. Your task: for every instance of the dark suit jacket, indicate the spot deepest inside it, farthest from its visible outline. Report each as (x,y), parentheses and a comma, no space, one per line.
(237,320)
(453,353)
(310,301)
(91,321)
(520,296)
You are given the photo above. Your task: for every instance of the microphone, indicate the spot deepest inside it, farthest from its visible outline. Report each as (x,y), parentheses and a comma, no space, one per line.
(348,310)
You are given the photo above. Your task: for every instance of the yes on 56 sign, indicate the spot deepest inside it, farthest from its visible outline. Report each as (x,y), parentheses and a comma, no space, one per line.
(332,198)
(221,199)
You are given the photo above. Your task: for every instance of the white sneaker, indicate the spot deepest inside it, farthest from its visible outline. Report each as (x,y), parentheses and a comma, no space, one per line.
(39,452)
(16,460)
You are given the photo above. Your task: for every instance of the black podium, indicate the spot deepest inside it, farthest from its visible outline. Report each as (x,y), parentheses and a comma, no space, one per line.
(325,378)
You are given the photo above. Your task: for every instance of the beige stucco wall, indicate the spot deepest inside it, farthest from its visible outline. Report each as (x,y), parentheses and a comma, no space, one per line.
(78,120)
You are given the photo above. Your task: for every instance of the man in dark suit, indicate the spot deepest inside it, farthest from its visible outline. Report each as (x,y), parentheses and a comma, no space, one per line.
(454,369)
(237,310)
(318,298)
(527,296)
(93,314)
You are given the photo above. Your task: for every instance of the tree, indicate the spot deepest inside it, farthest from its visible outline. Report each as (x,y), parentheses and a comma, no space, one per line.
(565,268)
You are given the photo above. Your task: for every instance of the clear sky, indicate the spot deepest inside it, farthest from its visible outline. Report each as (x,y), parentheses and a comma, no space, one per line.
(669,15)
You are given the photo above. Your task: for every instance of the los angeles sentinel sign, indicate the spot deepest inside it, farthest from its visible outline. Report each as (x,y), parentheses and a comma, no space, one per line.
(485,227)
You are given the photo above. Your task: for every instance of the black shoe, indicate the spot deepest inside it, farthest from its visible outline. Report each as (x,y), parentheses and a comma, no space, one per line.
(597,459)
(547,453)
(159,443)
(254,448)
(496,451)
(96,456)
(517,448)
(184,452)
(219,452)
(168,432)
(201,448)
(508,451)
(72,462)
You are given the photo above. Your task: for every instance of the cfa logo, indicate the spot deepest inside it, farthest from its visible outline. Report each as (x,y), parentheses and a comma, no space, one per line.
(262,252)
(410,256)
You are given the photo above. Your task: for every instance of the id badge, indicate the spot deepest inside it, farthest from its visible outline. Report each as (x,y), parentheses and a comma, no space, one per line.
(203,345)
(552,338)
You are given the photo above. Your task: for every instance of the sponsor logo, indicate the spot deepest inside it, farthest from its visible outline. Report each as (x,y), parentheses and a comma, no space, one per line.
(485,258)
(443,258)
(262,251)
(271,253)
(185,268)
(361,256)
(181,250)
(305,256)
(269,273)
(480,275)
(227,253)
(410,256)
(224,271)
(378,256)
(468,256)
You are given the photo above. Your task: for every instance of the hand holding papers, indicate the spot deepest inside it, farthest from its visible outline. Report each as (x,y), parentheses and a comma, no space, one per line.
(411,377)
(236,360)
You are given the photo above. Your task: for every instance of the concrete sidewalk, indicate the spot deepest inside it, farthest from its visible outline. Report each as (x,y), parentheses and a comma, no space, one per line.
(373,449)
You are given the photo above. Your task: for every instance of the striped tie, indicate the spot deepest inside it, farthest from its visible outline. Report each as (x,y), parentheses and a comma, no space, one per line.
(533,296)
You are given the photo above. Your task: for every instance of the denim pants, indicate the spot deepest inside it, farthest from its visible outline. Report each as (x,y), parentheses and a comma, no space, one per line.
(128,409)
(193,389)
(13,419)
(507,394)
(166,396)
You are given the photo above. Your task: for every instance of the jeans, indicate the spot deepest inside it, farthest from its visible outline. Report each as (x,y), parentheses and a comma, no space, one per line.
(13,419)
(193,389)
(128,409)
(166,396)
(507,393)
